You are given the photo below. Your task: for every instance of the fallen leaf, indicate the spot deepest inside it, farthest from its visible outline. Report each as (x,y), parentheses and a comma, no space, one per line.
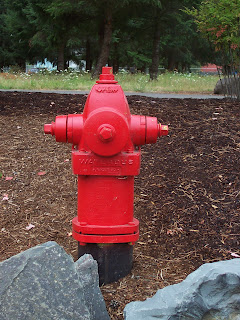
(41,173)
(30,226)
(69,234)
(215,207)
(234,254)
(8,178)
(1,175)
(5,197)
(67,160)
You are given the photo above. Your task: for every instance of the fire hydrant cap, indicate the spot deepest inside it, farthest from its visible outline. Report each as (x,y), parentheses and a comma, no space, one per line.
(106,132)
(107,76)
(48,128)
(163,130)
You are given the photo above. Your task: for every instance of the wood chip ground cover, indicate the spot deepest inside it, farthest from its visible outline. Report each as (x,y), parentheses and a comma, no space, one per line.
(187,196)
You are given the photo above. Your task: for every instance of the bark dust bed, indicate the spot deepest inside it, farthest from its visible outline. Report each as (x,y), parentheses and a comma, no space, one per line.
(187,196)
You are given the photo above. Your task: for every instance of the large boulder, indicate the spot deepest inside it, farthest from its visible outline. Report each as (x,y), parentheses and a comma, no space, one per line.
(212,292)
(44,283)
(228,86)
(87,270)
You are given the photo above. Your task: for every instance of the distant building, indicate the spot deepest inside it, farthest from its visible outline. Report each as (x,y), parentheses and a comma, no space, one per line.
(210,69)
(47,65)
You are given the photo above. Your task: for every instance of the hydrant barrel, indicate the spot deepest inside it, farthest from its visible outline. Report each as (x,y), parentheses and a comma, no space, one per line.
(95,207)
(106,155)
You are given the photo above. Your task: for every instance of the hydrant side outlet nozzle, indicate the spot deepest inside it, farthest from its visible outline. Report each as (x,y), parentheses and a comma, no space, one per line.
(49,128)
(66,128)
(106,157)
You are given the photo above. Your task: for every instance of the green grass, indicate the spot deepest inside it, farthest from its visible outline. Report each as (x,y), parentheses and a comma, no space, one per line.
(168,82)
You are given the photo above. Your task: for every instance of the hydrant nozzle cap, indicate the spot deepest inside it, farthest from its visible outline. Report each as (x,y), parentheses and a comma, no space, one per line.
(49,128)
(107,76)
(163,130)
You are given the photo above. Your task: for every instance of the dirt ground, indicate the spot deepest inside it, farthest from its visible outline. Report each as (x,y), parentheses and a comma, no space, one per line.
(187,196)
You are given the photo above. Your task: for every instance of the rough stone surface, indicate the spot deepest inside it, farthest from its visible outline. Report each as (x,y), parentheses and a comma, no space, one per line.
(212,292)
(87,270)
(229,86)
(44,283)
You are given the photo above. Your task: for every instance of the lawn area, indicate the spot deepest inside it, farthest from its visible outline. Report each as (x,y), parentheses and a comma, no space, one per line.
(167,82)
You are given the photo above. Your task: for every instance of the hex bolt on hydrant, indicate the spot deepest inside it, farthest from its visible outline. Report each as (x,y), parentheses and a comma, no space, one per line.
(106,141)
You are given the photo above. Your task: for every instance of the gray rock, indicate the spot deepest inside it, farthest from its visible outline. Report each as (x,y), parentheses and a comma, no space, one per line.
(228,86)
(212,292)
(87,269)
(43,283)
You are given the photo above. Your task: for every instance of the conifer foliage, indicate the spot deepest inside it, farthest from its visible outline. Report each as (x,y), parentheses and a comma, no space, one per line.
(122,33)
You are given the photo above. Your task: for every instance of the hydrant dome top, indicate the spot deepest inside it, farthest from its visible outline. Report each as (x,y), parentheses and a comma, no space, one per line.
(106,76)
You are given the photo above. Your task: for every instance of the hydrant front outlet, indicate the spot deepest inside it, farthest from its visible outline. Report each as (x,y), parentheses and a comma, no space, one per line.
(106,141)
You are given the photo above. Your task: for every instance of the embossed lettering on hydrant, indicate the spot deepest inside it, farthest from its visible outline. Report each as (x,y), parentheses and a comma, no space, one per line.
(107,90)
(105,162)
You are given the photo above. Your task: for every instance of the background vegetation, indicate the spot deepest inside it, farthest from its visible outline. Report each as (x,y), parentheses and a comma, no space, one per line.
(121,33)
(168,82)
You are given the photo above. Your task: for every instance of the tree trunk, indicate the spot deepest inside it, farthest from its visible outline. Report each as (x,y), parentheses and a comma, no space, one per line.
(88,56)
(155,52)
(22,64)
(105,47)
(60,62)
(171,63)
(115,63)
(143,68)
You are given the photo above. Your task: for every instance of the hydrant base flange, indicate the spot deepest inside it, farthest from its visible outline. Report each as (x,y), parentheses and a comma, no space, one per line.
(114,260)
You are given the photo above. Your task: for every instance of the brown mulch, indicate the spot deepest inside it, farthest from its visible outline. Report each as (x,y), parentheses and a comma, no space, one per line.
(187,196)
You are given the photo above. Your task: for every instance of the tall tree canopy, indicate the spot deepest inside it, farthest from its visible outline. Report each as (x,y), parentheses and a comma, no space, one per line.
(219,22)
(138,33)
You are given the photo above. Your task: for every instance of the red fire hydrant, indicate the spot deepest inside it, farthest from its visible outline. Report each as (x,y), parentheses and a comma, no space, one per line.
(106,141)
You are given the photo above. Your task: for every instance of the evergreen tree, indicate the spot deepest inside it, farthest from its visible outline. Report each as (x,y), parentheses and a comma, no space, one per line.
(57,23)
(16,33)
(138,33)
(219,22)
(175,38)
(106,10)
